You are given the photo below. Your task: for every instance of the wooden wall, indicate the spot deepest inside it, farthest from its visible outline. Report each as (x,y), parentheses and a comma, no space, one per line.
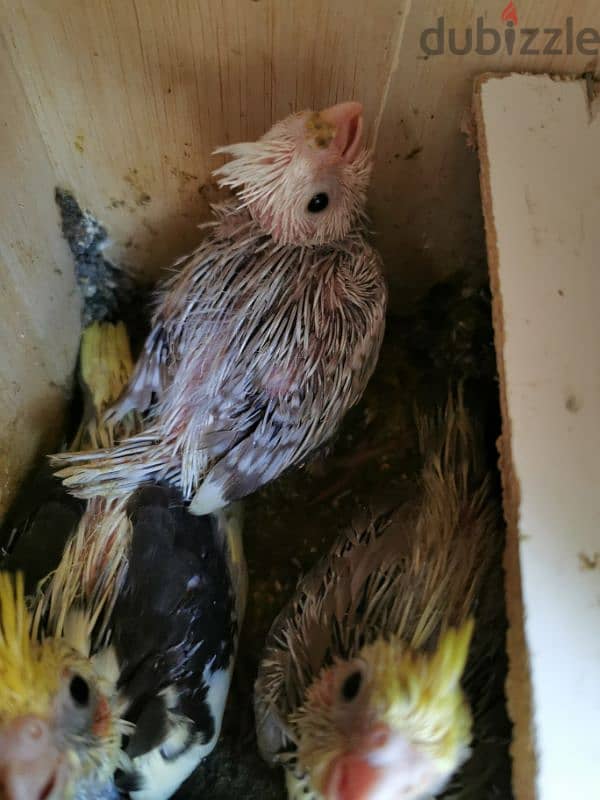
(123,101)
(540,187)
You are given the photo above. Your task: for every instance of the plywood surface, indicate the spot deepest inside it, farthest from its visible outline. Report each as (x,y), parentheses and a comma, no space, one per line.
(132,97)
(425,192)
(39,307)
(539,140)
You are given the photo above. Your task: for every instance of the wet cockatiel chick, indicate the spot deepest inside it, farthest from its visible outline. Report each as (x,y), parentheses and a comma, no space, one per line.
(58,727)
(106,697)
(363,688)
(268,332)
(114,677)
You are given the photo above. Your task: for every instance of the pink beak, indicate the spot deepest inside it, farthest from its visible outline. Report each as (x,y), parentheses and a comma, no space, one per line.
(347,119)
(382,764)
(351,778)
(30,764)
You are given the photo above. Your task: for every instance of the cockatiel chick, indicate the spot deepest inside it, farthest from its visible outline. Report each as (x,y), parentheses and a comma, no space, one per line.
(269,331)
(113,682)
(359,692)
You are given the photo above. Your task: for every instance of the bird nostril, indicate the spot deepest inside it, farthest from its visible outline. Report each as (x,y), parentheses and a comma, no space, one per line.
(34,730)
(379,736)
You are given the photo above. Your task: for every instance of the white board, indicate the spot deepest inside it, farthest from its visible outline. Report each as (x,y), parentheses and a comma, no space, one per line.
(540,154)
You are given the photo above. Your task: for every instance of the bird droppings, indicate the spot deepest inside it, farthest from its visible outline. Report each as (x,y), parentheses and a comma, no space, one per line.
(107,291)
(413,153)
(193,583)
(373,460)
(150,228)
(102,284)
(573,403)
(321,132)
(79,142)
(134,179)
(589,562)
(183,174)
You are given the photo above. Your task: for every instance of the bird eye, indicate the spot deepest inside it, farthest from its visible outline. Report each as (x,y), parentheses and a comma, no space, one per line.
(79,690)
(318,203)
(351,686)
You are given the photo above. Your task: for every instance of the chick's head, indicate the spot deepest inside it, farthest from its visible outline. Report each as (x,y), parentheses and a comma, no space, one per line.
(58,723)
(305,180)
(389,724)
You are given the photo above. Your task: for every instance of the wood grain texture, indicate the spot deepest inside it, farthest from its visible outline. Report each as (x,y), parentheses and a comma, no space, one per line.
(132,97)
(425,193)
(39,320)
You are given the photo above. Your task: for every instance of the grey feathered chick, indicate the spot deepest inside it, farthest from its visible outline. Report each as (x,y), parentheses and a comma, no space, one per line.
(367,688)
(269,331)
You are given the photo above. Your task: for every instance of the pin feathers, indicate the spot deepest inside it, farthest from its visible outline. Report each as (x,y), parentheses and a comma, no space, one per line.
(269,331)
(361,692)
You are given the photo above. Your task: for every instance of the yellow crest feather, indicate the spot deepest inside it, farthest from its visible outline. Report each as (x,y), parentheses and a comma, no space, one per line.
(421,695)
(448,664)
(29,669)
(417,694)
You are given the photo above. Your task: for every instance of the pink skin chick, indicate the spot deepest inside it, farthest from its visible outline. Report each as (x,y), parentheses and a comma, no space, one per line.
(268,332)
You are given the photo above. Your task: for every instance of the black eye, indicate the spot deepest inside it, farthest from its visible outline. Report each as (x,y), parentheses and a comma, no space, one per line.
(318,203)
(351,686)
(80,691)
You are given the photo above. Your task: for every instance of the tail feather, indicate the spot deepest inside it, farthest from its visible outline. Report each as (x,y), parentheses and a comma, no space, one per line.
(147,379)
(105,365)
(95,466)
(113,472)
(94,561)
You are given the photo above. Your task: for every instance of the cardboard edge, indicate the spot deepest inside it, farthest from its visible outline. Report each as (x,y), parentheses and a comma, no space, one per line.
(518,684)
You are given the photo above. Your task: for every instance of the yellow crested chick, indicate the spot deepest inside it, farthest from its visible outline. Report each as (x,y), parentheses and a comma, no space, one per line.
(361,690)
(59,725)
(392,720)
